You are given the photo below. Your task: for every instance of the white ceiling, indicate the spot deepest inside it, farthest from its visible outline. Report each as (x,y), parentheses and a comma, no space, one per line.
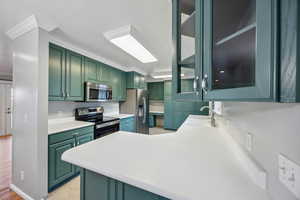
(83,22)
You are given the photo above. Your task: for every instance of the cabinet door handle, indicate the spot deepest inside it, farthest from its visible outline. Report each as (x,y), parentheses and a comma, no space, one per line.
(75,134)
(204,84)
(195,86)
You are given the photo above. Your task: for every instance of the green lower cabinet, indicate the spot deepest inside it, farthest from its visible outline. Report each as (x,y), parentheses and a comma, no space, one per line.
(151,121)
(128,124)
(176,112)
(98,187)
(59,172)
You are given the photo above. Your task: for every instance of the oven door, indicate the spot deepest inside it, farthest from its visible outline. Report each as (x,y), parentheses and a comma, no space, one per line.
(102,130)
(97,92)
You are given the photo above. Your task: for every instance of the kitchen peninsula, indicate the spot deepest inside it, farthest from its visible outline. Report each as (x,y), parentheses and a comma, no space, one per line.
(194,163)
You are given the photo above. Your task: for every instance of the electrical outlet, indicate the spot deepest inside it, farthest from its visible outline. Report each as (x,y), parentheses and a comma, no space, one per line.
(249,142)
(289,174)
(22,175)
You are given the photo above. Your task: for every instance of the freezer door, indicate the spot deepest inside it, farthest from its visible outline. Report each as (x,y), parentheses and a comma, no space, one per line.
(142,112)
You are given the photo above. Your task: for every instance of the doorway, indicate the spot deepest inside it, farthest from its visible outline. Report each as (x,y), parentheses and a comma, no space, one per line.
(5,108)
(6,97)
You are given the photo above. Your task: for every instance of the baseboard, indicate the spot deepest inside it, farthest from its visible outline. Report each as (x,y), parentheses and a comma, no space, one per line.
(20,192)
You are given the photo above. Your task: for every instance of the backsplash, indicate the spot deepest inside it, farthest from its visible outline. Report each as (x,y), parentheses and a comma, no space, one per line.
(275,130)
(60,109)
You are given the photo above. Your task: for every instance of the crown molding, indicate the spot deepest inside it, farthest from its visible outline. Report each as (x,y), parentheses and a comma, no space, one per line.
(27,25)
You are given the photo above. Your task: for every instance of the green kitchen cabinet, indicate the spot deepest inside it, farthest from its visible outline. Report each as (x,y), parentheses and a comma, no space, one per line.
(96,186)
(176,112)
(123,86)
(57,73)
(118,83)
(74,76)
(156,91)
(59,171)
(106,73)
(66,75)
(241,50)
(92,70)
(128,124)
(135,81)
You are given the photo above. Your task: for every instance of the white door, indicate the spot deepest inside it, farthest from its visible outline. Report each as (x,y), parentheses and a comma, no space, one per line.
(5,108)
(8,113)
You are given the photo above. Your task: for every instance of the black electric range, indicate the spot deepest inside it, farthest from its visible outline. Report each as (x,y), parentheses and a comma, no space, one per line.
(103,125)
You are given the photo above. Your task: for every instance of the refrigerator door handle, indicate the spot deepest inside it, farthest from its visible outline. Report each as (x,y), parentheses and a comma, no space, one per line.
(144,109)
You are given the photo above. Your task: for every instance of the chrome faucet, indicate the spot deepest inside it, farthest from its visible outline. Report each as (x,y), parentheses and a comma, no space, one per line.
(211,110)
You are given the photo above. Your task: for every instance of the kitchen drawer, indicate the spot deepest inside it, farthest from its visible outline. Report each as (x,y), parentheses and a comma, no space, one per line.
(66,135)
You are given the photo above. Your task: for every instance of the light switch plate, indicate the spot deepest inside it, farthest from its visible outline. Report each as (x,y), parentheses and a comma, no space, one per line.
(289,174)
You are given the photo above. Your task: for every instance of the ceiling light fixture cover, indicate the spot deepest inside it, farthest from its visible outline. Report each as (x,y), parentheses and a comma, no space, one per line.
(127,38)
(164,76)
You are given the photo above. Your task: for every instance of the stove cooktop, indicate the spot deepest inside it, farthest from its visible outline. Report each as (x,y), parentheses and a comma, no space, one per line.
(104,120)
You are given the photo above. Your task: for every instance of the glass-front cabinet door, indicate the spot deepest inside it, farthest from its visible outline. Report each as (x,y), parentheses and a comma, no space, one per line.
(239,50)
(186,41)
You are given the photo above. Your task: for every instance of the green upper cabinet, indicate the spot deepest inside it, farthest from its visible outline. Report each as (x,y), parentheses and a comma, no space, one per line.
(74,76)
(240,57)
(91,68)
(66,75)
(136,81)
(105,72)
(57,70)
(156,91)
(228,48)
(187,57)
(118,83)
(69,70)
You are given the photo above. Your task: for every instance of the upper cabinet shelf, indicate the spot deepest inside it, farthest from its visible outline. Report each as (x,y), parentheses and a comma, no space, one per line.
(188,26)
(236,50)
(236,34)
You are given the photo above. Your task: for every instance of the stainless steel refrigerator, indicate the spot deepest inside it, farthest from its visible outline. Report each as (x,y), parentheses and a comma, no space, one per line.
(137,103)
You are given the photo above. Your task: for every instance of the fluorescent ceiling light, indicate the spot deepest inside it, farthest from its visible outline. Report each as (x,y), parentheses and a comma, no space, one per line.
(165,76)
(126,38)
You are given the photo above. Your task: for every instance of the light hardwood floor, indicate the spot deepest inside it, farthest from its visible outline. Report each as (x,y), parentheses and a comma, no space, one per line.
(9,195)
(5,161)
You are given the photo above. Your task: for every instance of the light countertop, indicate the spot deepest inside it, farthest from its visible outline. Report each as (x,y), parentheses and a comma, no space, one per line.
(65,124)
(121,116)
(156,112)
(193,163)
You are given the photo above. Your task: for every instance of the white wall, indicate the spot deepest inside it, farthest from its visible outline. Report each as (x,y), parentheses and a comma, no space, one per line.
(30,127)
(276,129)
(60,109)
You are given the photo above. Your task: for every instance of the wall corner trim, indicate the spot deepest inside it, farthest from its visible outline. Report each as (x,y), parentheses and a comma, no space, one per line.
(257,174)
(20,192)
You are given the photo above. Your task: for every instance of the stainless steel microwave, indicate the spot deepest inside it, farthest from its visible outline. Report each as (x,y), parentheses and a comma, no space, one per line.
(97,92)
